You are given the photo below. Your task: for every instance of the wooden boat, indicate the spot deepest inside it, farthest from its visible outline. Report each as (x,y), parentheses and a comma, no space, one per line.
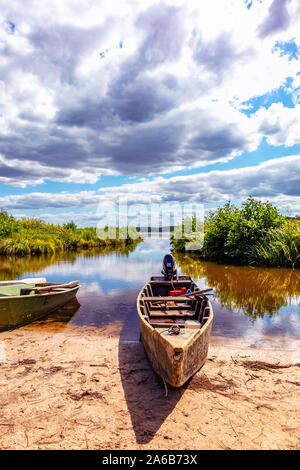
(26,300)
(175,331)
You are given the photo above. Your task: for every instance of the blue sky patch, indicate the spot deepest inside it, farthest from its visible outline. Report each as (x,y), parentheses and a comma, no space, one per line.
(248,3)
(288,48)
(281,95)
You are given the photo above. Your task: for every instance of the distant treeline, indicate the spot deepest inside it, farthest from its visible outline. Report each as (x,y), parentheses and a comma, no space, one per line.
(255,233)
(34,236)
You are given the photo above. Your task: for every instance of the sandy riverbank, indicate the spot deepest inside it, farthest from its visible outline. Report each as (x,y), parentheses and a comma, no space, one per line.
(79,388)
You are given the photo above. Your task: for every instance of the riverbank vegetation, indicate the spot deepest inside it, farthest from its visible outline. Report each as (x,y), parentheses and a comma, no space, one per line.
(255,233)
(34,236)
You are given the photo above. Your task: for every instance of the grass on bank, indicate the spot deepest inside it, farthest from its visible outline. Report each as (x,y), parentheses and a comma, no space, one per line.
(255,233)
(34,236)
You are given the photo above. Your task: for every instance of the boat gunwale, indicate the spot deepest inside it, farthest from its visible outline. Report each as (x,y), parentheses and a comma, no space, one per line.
(32,296)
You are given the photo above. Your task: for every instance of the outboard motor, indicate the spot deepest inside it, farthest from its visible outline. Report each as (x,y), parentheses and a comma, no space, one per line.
(169,270)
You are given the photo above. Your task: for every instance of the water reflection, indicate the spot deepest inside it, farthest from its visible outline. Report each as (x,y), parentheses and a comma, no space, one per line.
(14,267)
(254,291)
(258,306)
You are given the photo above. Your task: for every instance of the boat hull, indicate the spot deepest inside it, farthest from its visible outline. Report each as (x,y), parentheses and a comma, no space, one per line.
(21,310)
(175,365)
(171,360)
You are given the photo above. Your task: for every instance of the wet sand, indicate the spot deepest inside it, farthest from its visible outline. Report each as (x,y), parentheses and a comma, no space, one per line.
(85,388)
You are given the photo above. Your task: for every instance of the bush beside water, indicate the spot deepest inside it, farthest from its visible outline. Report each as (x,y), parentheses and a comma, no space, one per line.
(34,236)
(255,233)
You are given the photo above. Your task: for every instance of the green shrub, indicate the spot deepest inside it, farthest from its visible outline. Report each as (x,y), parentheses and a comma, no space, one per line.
(255,233)
(218,226)
(253,222)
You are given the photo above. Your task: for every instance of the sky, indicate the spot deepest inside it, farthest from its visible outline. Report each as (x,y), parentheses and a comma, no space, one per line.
(147,102)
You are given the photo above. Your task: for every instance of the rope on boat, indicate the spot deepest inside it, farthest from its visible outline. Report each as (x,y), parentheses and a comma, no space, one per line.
(173,330)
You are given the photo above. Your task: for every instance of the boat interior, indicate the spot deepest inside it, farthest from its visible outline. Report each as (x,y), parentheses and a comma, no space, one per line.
(165,304)
(36,288)
(15,290)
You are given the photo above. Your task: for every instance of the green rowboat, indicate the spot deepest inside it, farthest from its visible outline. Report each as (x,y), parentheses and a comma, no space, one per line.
(22,303)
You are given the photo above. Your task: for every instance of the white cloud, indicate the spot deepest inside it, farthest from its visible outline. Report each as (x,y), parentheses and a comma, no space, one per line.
(281,125)
(168,99)
(276,180)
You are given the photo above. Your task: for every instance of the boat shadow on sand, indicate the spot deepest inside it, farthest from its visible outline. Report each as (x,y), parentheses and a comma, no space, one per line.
(144,390)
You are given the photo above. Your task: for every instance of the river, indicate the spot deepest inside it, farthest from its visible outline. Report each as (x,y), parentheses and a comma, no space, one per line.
(253,306)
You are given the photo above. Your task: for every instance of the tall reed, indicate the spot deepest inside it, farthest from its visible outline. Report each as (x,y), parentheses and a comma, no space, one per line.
(279,247)
(35,236)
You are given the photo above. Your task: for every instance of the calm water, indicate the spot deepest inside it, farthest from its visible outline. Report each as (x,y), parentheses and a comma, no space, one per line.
(257,307)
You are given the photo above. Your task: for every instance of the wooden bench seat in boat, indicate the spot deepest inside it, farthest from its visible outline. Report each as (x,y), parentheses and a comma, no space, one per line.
(171,305)
(171,313)
(166,306)
(159,323)
(165,299)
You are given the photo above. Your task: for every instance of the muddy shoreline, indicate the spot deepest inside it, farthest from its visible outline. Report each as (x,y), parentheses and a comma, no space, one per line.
(85,388)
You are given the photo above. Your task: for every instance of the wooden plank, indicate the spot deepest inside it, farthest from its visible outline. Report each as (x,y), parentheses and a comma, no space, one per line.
(182,306)
(70,285)
(171,313)
(32,280)
(198,292)
(166,324)
(165,299)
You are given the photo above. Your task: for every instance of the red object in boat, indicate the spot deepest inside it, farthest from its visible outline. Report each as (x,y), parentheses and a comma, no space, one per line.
(178,291)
